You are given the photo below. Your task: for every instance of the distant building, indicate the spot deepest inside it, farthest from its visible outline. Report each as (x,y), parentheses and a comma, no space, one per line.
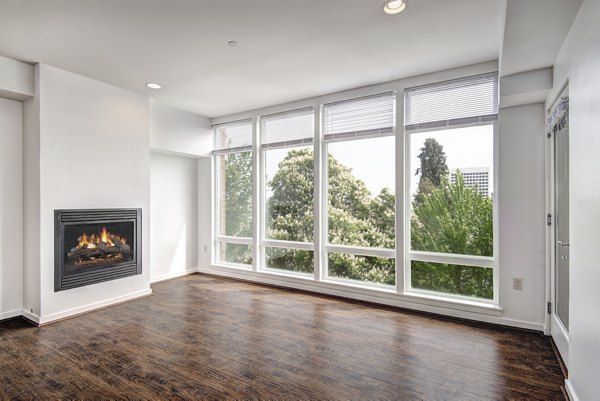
(474,176)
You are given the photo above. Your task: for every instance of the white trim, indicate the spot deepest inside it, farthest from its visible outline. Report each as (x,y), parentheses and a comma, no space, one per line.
(496,211)
(553,324)
(400,191)
(10,314)
(273,243)
(570,390)
(467,260)
(90,307)
(443,306)
(169,276)
(258,167)
(31,316)
(234,240)
(361,250)
(318,237)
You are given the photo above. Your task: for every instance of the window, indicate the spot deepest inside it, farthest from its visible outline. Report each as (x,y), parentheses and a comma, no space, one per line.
(233,159)
(451,128)
(287,157)
(360,147)
(353,203)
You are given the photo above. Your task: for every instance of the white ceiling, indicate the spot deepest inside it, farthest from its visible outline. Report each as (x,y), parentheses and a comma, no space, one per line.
(288,49)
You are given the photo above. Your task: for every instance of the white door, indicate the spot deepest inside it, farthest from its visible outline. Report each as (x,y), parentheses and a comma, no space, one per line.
(559,136)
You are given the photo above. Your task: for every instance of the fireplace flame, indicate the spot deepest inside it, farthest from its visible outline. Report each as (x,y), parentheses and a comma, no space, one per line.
(104,239)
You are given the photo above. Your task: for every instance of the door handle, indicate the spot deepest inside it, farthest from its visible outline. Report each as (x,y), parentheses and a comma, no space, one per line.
(563,243)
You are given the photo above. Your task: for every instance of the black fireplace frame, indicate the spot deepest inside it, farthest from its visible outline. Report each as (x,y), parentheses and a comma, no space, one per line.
(62,217)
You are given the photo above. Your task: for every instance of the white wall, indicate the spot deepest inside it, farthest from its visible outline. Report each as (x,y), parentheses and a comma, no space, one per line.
(179,132)
(11,209)
(173,215)
(94,152)
(31,202)
(204,212)
(521,212)
(579,62)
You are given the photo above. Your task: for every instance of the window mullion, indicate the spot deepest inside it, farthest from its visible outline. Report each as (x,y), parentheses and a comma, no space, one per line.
(257,199)
(319,195)
(401,202)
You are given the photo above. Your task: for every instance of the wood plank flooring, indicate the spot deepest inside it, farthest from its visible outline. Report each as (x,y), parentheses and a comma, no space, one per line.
(202,337)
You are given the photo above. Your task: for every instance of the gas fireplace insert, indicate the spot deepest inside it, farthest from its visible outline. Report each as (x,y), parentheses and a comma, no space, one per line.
(96,245)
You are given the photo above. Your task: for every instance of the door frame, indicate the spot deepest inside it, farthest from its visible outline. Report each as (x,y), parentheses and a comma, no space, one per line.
(554,326)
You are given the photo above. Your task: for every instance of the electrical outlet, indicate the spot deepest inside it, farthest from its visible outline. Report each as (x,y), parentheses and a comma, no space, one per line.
(517,284)
(205,248)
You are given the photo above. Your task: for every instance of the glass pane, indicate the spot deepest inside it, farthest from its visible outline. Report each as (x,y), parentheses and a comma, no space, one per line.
(361,199)
(235,194)
(290,259)
(471,281)
(362,268)
(235,253)
(289,194)
(451,189)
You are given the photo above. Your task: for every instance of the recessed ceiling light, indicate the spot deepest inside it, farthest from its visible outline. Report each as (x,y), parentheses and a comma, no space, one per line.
(153,85)
(232,43)
(394,6)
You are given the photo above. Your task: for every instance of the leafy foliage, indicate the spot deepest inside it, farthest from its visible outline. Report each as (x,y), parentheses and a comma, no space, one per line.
(458,220)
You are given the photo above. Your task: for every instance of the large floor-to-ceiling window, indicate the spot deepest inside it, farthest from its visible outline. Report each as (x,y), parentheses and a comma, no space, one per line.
(234,200)
(288,191)
(450,131)
(393,191)
(359,141)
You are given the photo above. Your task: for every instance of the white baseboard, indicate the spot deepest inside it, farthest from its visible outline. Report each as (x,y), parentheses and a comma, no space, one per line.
(169,276)
(90,307)
(31,316)
(9,314)
(570,391)
(446,308)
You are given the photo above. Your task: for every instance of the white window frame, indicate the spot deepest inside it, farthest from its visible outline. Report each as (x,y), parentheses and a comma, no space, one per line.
(445,258)
(265,242)
(327,247)
(402,294)
(219,238)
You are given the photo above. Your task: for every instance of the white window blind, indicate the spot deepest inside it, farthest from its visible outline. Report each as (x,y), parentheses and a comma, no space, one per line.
(290,128)
(233,137)
(366,116)
(463,101)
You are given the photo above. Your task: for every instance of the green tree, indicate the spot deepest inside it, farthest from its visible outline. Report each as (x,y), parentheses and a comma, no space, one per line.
(433,168)
(453,219)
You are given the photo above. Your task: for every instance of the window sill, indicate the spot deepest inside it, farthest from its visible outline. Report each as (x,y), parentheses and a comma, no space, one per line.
(410,300)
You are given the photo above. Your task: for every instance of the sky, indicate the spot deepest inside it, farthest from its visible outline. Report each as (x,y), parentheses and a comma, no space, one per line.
(373,160)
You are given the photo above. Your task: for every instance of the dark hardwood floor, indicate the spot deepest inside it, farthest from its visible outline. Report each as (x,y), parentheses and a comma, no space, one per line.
(201,337)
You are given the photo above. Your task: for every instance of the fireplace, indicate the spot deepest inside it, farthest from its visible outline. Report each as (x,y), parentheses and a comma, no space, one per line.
(92,246)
